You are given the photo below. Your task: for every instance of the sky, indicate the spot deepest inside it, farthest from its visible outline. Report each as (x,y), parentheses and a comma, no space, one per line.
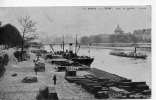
(84,21)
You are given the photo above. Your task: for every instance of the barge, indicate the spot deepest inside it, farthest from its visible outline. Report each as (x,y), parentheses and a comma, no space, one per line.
(104,85)
(129,54)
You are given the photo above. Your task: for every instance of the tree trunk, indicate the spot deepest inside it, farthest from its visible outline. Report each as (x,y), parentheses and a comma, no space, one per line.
(22,49)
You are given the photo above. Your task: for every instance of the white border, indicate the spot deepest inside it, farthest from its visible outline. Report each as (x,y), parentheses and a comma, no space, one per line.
(41,3)
(153,49)
(13,3)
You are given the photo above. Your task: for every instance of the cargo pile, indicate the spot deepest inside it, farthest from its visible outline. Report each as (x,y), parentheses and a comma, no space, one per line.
(47,93)
(65,68)
(105,88)
(136,89)
(29,79)
(4,59)
(21,56)
(39,66)
(91,84)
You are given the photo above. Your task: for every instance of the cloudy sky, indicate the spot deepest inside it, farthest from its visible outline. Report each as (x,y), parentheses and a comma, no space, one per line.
(55,21)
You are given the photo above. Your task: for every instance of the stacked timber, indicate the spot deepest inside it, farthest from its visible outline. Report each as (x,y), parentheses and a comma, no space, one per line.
(65,68)
(104,87)
(136,87)
(116,92)
(90,84)
(21,55)
(70,71)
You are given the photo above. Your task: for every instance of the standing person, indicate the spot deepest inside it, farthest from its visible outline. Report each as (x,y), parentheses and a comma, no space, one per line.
(35,69)
(38,58)
(54,78)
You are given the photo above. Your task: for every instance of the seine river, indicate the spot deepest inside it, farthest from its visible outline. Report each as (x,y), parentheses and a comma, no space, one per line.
(135,69)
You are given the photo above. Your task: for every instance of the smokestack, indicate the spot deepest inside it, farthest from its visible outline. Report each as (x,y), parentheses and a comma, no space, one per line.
(70,47)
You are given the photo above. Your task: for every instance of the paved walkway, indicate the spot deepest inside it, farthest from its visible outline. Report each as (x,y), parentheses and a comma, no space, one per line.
(11,88)
(64,89)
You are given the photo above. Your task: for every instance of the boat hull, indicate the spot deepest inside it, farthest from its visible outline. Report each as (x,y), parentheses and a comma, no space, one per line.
(130,56)
(84,61)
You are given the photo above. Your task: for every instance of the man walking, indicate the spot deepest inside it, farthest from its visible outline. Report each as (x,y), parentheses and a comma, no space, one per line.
(35,69)
(54,78)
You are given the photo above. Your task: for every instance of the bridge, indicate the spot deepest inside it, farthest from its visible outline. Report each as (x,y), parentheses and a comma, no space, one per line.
(138,45)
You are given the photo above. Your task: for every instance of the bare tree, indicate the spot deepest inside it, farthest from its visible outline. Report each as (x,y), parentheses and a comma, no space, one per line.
(28,29)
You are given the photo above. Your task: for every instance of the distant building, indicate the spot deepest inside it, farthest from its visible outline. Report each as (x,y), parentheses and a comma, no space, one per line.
(118,30)
(143,35)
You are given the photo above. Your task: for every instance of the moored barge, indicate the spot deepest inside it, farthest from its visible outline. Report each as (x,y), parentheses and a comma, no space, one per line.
(129,54)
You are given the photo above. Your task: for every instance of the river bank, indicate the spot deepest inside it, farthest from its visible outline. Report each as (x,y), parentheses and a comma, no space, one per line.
(12,87)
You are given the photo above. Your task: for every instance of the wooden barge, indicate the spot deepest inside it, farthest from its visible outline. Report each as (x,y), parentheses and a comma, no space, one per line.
(111,86)
(130,54)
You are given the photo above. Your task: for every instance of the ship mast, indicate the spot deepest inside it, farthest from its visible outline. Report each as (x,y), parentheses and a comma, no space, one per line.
(89,49)
(76,45)
(51,46)
(63,43)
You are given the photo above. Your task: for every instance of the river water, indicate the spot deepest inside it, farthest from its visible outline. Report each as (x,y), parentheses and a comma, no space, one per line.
(134,69)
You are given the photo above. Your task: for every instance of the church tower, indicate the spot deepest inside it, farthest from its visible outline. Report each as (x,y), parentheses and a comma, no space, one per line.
(118,30)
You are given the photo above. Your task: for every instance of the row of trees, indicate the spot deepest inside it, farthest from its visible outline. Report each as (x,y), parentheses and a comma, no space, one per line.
(101,38)
(11,36)
(123,38)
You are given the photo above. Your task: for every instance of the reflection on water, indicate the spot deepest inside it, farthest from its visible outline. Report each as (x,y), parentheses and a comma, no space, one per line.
(135,69)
